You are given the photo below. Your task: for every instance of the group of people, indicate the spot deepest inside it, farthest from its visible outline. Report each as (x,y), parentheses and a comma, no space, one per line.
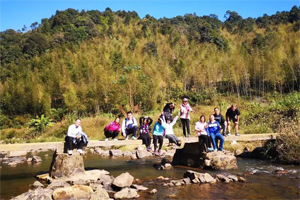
(208,132)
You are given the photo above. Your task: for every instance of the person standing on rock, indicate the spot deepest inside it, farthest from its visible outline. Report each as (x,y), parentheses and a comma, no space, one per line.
(75,136)
(129,126)
(233,114)
(145,123)
(203,137)
(158,131)
(112,129)
(167,111)
(185,110)
(219,118)
(214,131)
(169,133)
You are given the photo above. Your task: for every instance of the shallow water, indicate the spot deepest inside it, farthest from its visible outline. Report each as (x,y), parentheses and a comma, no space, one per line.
(262,182)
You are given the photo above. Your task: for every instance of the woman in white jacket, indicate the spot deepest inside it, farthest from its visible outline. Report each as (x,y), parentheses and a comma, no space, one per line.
(185,110)
(169,133)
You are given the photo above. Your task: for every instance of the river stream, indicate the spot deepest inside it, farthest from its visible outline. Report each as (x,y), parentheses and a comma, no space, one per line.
(262,181)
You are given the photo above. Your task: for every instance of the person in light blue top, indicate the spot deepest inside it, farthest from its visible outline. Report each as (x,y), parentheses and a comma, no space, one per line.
(158,132)
(214,131)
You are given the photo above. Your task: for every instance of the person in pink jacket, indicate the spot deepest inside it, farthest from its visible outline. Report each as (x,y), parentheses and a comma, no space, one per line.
(112,129)
(185,110)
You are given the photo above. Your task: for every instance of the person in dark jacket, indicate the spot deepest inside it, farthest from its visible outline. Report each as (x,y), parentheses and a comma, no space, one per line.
(145,123)
(233,114)
(167,111)
(219,118)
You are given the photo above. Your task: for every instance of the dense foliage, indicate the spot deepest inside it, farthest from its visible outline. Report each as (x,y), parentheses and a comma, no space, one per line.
(92,61)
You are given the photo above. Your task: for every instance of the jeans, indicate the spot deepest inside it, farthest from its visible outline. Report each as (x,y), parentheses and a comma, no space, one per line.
(131,131)
(172,139)
(220,137)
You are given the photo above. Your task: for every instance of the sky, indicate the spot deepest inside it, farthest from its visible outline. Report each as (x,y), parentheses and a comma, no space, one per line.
(14,14)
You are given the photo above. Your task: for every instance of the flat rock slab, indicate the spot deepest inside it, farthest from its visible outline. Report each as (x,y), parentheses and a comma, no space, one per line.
(74,192)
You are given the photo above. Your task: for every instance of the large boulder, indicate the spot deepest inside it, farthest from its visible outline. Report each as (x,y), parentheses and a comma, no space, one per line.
(116,152)
(126,193)
(36,159)
(74,192)
(220,160)
(39,193)
(123,180)
(191,155)
(64,165)
(142,153)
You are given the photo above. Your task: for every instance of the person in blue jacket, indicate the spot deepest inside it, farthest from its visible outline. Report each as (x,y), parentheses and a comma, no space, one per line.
(158,133)
(214,132)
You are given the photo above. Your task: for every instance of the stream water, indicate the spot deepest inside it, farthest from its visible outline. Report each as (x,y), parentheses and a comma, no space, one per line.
(262,181)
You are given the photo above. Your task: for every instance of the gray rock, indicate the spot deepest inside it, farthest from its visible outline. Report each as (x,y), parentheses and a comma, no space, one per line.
(36,159)
(141,153)
(126,193)
(37,184)
(133,157)
(139,187)
(241,179)
(104,153)
(167,166)
(92,151)
(233,177)
(154,191)
(29,159)
(74,192)
(208,178)
(100,194)
(98,150)
(223,178)
(127,153)
(38,194)
(64,165)
(13,161)
(186,181)
(220,160)
(58,184)
(123,180)
(116,153)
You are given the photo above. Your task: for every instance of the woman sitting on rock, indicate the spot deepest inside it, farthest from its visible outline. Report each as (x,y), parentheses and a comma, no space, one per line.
(112,129)
(200,128)
(145,123)
(169,133)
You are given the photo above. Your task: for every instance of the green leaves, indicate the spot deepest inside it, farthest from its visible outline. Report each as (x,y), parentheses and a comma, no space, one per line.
(39,125)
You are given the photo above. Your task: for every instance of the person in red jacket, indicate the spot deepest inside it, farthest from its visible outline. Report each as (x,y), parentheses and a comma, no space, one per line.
(112,129)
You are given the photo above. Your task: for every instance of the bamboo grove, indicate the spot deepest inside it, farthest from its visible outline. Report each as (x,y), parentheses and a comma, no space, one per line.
(92,61)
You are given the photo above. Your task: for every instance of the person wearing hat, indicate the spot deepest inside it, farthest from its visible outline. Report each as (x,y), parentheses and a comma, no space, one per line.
(185,110)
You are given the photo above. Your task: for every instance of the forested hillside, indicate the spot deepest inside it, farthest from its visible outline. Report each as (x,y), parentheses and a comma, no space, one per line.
(92,61)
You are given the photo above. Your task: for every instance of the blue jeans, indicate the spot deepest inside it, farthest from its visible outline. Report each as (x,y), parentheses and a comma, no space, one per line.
(220,137)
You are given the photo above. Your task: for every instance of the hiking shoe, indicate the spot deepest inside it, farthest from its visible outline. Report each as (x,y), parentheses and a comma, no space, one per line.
(70,152)
(155,152)
(115,139)
(106,139)
(210,149)
(126,138)
(158,152)
(215,150)
(228,134)
(237,134)
(134,138)
(80,151)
